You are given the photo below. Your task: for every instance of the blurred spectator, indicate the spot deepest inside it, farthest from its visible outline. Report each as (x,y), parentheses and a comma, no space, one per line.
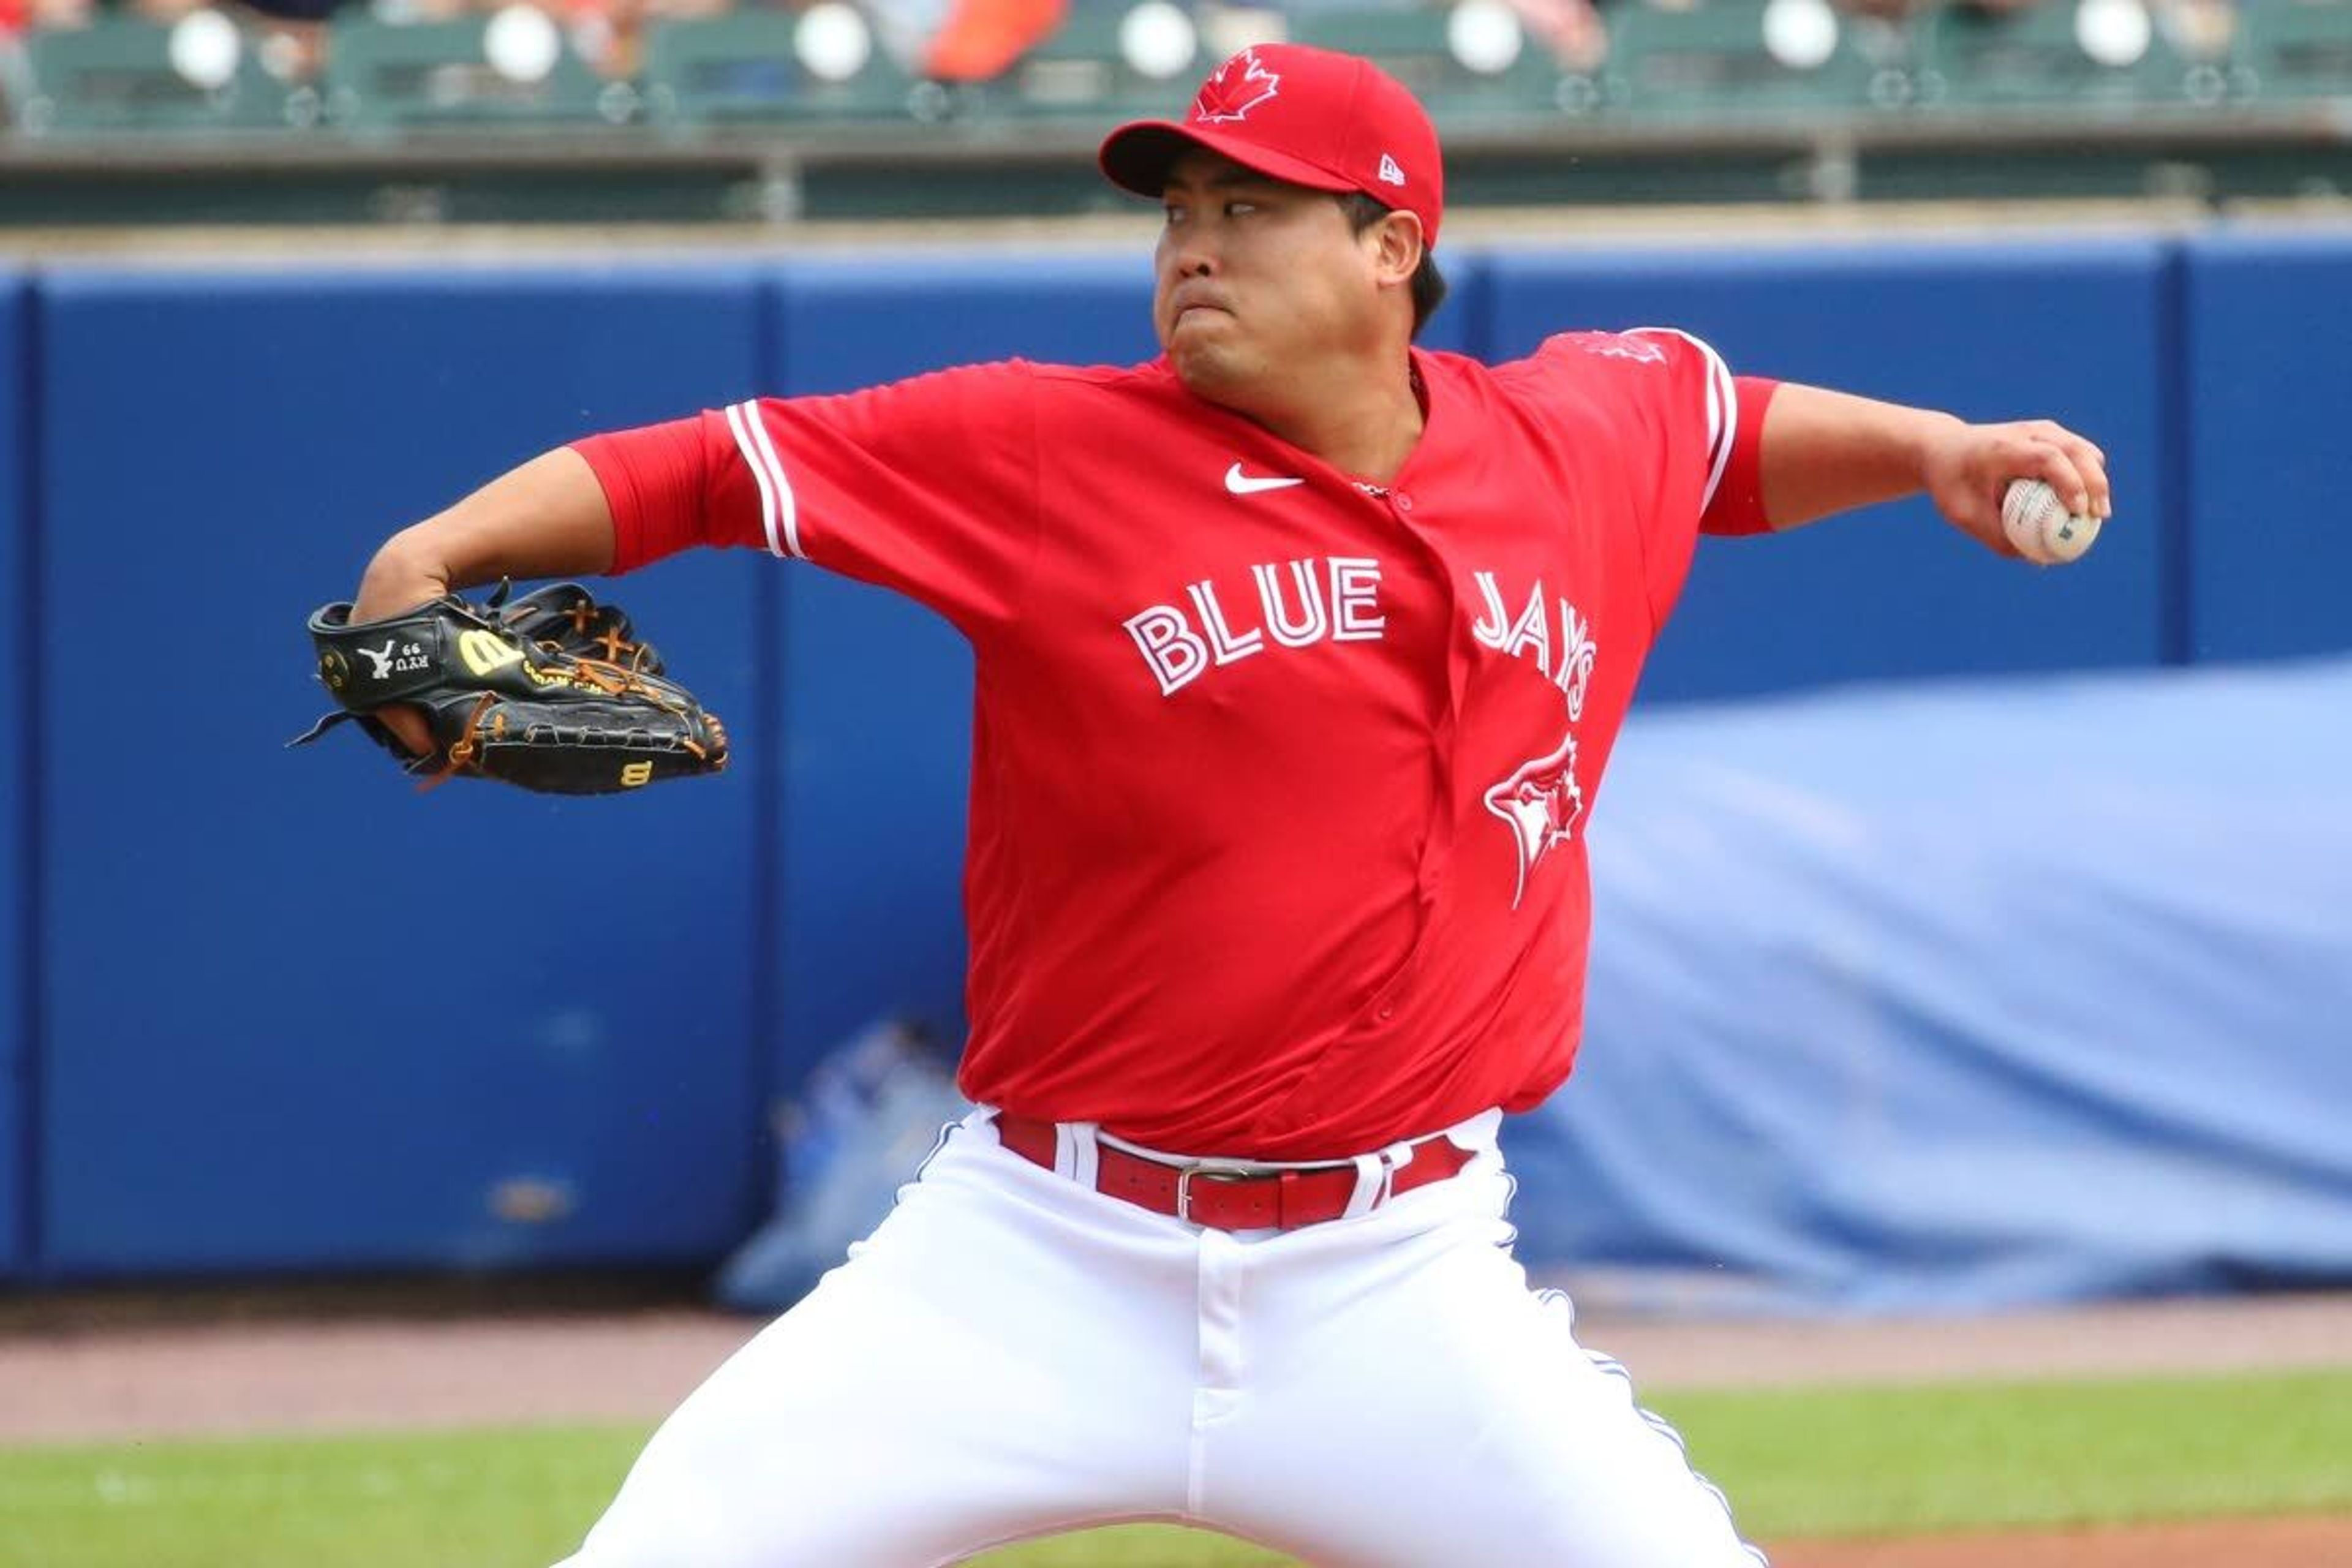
(24,16)
(1571,30)
(1903,10)
(610,34)
(982,38)
(2204,29)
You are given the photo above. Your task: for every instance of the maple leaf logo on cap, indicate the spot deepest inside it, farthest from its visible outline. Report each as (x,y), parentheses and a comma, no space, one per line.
(1225,96)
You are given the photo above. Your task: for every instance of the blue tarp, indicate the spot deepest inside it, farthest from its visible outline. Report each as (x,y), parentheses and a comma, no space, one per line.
(1968,997)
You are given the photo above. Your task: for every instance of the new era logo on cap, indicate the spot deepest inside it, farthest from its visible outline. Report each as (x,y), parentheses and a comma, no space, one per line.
(1312,117)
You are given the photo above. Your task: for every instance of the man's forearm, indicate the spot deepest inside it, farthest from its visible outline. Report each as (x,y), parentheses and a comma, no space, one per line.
(1825,452)
(546,519)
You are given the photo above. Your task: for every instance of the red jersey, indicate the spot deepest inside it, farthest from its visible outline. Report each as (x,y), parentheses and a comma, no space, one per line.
(1279,780)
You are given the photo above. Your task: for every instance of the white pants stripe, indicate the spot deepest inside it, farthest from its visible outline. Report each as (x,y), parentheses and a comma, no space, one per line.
(1012,1355)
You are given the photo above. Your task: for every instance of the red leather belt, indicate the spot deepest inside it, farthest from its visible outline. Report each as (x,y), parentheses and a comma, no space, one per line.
(1233,1200)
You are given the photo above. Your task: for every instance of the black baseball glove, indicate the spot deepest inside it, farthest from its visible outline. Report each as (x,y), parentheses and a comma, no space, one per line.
(548,692)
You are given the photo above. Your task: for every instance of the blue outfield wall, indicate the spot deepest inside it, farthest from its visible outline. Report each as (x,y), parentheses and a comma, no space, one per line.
(2266,375)
(16,826)
(603,995)
(301,1016)
(2065,330)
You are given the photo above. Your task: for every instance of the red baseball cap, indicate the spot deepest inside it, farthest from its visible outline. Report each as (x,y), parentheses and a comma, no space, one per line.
(1312,117)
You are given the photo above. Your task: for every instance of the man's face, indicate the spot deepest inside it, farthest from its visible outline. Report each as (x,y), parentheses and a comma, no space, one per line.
(1257,280)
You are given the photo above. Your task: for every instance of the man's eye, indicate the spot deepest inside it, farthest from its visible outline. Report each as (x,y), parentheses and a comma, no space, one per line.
(1240,209)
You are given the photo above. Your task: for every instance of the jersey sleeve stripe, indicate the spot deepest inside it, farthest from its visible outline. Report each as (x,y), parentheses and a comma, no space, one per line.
(1723,421)
(754,461)
(788,512)
(1722,406)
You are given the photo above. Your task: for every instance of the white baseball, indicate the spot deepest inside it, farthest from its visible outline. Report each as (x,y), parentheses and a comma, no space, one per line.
(2040,526)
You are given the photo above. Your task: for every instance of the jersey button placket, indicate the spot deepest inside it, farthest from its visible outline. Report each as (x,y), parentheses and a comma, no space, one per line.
(1382,1004)
(1437,842)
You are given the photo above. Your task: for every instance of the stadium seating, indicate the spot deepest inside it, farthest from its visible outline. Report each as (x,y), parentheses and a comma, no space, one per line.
(117,75)
(2293,48)
(2042,55)
(1713,60)
(749,68)
(1705,65)
(1084,70)
(1416,46)
(386,77)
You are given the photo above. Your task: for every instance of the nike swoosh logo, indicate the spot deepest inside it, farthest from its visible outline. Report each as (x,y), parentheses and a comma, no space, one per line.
(1243,484)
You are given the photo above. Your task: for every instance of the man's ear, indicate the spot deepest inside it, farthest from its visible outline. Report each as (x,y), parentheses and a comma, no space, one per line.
(1397,247)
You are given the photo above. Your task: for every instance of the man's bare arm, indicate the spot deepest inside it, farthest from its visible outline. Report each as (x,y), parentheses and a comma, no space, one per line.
(546,519)
(1825,452)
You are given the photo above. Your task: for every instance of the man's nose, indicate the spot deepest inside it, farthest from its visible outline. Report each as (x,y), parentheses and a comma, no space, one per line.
(1191,254)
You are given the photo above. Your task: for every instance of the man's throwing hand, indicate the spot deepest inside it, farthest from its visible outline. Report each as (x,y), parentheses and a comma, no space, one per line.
(1969,468)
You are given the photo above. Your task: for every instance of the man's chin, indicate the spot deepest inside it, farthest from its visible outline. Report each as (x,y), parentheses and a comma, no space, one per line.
(1208,372)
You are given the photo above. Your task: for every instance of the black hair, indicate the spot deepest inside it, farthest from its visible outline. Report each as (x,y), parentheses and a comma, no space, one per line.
(1428,282)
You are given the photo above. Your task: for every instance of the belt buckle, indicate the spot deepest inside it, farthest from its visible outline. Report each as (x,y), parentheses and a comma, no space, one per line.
(1188,1175)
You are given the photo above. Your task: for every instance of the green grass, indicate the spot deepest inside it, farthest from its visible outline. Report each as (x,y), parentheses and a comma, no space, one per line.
(1918,1460)
(1811,1463)
(469,1499)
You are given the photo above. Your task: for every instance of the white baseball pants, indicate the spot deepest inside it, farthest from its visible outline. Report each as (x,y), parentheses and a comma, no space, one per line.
(1013,1354)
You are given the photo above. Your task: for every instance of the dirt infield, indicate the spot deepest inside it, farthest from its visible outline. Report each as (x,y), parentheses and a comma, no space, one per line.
(73,1376)
(2206,1543)
(92,1376)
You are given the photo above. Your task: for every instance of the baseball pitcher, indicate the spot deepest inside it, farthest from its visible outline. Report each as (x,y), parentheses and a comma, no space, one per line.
(1300,652)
